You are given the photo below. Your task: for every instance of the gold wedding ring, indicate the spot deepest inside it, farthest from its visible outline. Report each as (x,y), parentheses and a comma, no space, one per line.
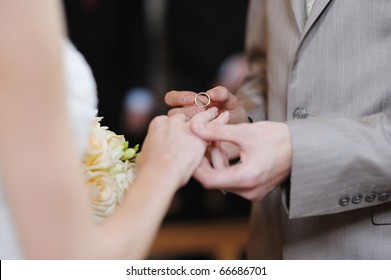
(196,102)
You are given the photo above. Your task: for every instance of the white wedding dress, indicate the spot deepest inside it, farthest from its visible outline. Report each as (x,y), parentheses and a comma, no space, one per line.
(82,104)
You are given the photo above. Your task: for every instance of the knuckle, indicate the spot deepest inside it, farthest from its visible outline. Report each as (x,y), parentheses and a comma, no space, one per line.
(207,186)
(195,110)
(159,120)
(249,196)
(177,120)
(257,177)
(171,112)
(255,198)
(248,177)
(203,181)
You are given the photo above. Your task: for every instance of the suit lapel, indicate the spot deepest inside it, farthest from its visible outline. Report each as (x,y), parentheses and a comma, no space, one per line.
(317,10)
(299,12)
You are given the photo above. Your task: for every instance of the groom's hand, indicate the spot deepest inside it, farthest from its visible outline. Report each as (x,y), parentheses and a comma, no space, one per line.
(265,158)
(183,102)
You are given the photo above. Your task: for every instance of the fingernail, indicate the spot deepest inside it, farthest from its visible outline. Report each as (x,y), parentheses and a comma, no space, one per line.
(213,109)
(226,114)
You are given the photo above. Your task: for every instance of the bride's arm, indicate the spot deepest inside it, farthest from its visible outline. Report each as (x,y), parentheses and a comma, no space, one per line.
(169,156)
(38,161)
(40,167)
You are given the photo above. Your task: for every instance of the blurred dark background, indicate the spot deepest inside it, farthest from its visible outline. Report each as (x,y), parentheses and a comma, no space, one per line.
(140,49)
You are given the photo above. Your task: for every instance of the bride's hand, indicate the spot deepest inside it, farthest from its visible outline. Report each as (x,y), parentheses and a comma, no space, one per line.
(171,151)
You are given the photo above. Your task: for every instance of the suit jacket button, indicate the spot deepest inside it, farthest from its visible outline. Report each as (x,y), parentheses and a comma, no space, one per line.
(384,196)
(370,197)
(357,198)
(300,113)
(344,201)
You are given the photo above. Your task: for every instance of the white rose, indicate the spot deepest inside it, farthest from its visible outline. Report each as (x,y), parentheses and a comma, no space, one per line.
(108,168)
(103,196)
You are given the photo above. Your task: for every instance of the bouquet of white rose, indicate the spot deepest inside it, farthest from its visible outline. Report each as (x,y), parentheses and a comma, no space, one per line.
(110,168)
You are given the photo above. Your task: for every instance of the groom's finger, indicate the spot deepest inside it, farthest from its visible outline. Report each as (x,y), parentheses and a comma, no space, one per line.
(218,158)
(179,98)
(227,178)
(219,94)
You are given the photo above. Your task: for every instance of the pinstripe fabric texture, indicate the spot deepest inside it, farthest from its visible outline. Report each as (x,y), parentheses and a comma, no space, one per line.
(336,65)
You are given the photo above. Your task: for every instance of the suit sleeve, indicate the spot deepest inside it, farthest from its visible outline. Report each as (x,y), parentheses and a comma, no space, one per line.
(339,164)
(252,93)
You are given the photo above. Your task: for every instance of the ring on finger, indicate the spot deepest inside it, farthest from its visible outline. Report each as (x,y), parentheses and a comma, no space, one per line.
(201,94)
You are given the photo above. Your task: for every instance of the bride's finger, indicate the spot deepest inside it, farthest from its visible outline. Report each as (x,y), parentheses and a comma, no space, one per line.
(223,118)
(180,116)
(206,116)
(188,111)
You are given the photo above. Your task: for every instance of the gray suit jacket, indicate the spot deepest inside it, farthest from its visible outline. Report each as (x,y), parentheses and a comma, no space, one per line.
(329,78)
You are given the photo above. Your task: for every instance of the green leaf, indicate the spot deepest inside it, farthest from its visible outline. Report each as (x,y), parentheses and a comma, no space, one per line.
(126,145)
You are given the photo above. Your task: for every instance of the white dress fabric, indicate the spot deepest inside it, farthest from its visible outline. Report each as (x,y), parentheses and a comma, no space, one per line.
(82,104)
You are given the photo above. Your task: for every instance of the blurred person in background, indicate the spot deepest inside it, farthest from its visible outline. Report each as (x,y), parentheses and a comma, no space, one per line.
(232,72)
(138,111)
